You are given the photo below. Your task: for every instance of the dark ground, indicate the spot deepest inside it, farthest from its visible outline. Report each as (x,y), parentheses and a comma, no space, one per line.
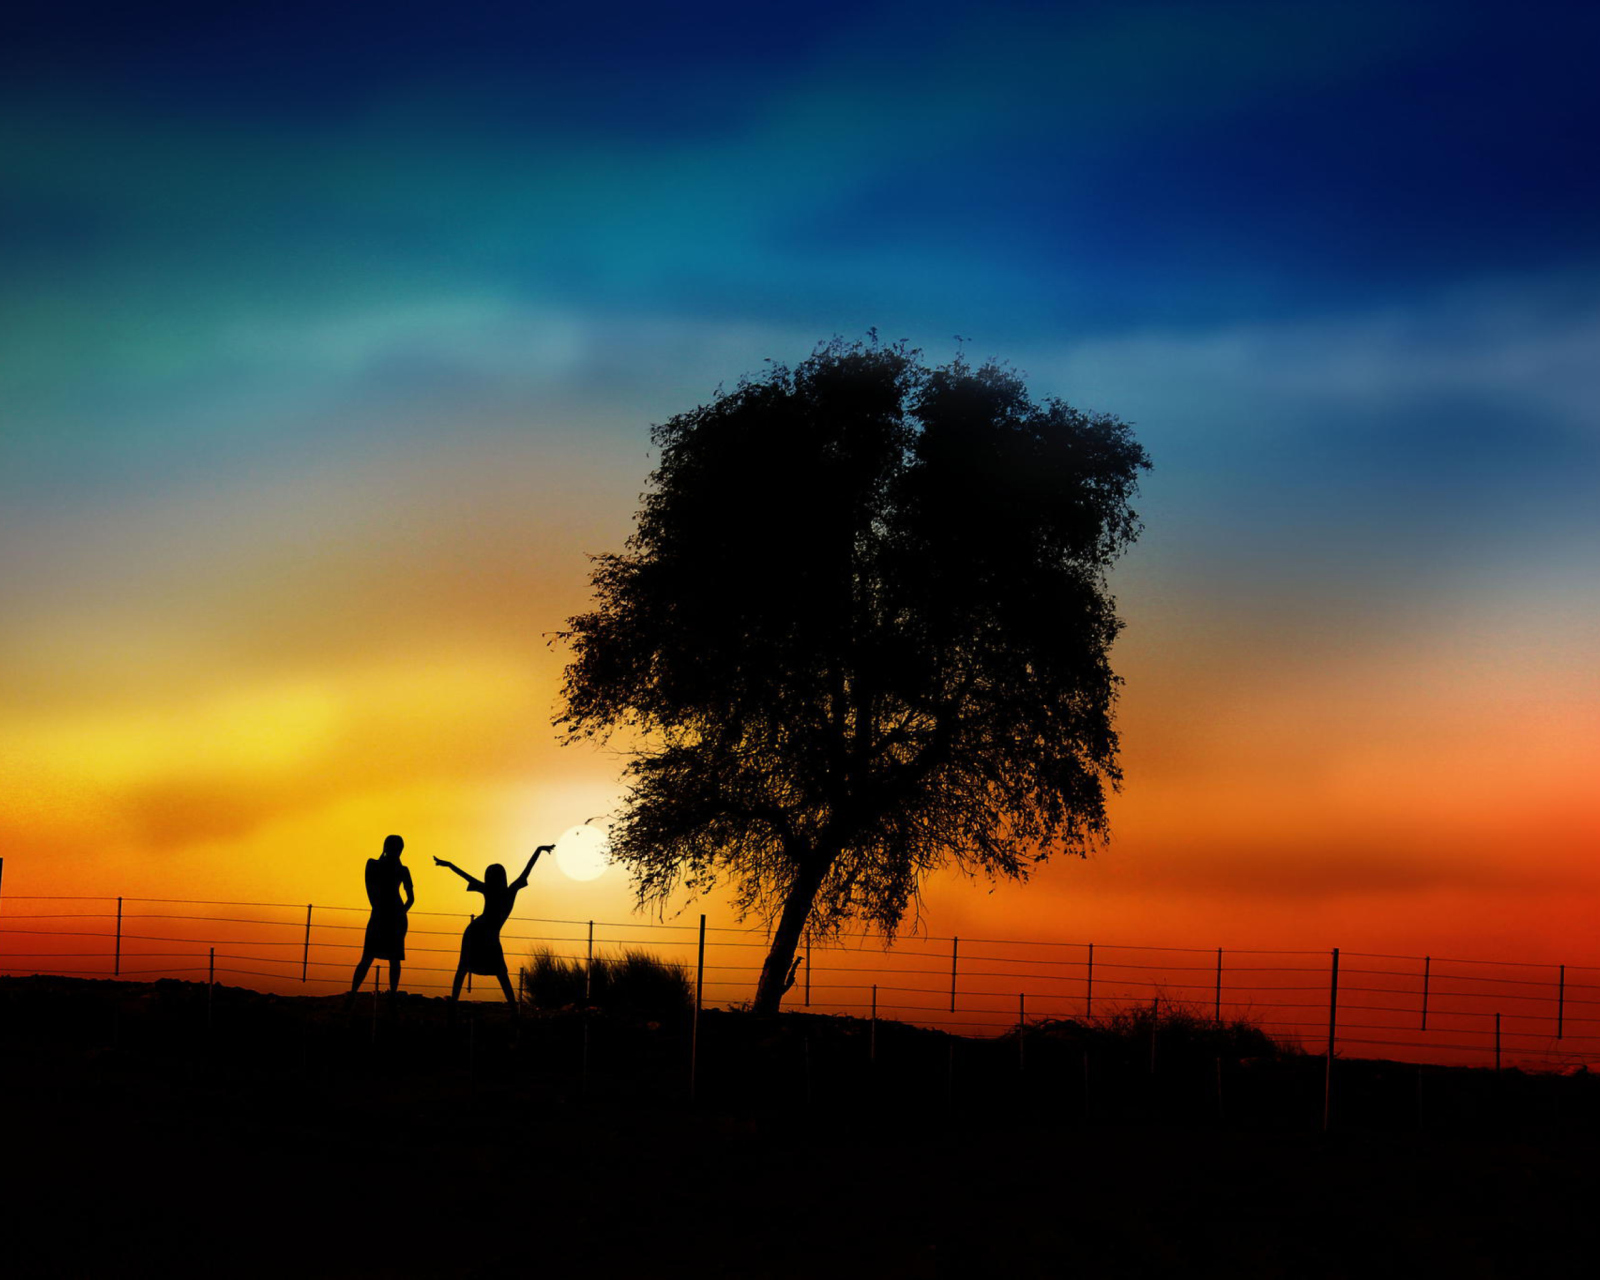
(292,1138)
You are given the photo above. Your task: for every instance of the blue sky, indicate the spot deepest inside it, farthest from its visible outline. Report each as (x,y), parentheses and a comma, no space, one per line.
(270,277)
(226,231)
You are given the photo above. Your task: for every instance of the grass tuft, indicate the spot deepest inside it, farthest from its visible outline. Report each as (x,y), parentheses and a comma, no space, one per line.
(632,982)
(1181,1029)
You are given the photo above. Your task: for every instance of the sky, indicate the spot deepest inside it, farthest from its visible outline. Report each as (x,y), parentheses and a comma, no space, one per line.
(333,337)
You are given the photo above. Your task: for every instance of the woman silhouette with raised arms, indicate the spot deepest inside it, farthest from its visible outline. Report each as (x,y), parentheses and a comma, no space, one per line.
(386,926)
(480,944)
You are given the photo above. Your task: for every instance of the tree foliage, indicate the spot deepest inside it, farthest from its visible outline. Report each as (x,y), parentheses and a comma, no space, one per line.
(861,631)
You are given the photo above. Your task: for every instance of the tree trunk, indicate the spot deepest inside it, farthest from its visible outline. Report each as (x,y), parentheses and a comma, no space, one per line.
(796,908)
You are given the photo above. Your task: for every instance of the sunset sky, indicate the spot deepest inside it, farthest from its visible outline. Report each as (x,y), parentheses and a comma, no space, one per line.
(333,337)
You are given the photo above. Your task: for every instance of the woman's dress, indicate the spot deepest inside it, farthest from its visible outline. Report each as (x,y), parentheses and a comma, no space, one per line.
(480,944)
(386,926)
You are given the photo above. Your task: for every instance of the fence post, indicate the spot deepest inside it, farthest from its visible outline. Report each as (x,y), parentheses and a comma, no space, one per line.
(470,918)
(375,968)
(305,952)
(116,961)
(1155,1021)
(1333,1024)
(955,948)
(588,997)
(808,974)
(1561,1000)
(1022,1027)
(211,984)
(1497,1044)
(1088,988)
(1427,963)
(1218,1010)
(872,1030)
(694,1027)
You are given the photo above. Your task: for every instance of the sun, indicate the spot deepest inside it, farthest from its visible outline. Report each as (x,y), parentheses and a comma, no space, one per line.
(583,853)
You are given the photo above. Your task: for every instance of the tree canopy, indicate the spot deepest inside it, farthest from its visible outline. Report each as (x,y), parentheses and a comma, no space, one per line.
(861,632)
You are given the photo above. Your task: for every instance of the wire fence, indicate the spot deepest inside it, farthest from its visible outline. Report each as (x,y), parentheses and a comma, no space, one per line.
(1414,1008)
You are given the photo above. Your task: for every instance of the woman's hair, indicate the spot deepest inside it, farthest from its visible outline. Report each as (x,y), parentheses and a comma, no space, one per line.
(393,844)
(495,876)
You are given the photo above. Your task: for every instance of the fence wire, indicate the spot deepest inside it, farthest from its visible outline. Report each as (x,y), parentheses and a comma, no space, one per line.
(1445,1010)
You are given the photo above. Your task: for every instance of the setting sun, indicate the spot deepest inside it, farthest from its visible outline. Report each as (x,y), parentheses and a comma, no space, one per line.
(583,853)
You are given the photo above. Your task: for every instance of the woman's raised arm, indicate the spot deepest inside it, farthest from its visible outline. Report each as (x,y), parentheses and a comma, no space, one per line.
(472,883)
(521,882)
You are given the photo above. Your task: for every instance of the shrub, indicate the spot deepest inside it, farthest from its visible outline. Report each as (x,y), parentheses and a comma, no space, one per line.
(1181,1029)
(632,983)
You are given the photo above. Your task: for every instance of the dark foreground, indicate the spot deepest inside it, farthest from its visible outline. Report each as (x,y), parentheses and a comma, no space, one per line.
(289,1137)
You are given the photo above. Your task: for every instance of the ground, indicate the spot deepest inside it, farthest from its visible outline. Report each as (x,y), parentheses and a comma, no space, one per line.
(290,1136)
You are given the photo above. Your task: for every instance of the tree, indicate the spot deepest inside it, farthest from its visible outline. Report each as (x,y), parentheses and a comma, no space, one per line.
(861,632)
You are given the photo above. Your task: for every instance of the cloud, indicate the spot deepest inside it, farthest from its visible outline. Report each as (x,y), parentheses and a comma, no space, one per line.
(1524,343)
(1302,867)
(448,207)
(167,772)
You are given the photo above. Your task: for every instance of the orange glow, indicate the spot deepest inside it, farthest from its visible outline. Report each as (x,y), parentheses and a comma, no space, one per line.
(250,713)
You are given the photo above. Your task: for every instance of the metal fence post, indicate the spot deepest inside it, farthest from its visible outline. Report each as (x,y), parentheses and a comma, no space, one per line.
(694,1027)
(1333,1025)
(588,999)
(1427,964)
(1155,1021)
(471,916)
(211,984)
(955,949)
(1022,1028)
(1088,987)
(872,1030)
(1497,1044)
(1561,1000)
(808,972)
(305,951)
(116,960)
(1218,1009)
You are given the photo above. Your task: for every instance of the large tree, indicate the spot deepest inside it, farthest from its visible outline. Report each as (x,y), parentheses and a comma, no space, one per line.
(861,632)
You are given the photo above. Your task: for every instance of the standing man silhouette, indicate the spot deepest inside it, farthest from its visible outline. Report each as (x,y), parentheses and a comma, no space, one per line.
(386,926)
(480,944)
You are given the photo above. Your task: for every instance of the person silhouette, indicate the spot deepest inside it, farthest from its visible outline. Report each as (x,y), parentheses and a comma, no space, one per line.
(480,944)
(386,926)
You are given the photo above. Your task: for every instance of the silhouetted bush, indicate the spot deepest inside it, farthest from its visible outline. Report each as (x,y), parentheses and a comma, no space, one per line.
(1181,1030)
(634,983)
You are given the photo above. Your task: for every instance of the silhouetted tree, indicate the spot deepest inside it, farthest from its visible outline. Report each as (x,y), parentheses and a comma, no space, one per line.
(860,632)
